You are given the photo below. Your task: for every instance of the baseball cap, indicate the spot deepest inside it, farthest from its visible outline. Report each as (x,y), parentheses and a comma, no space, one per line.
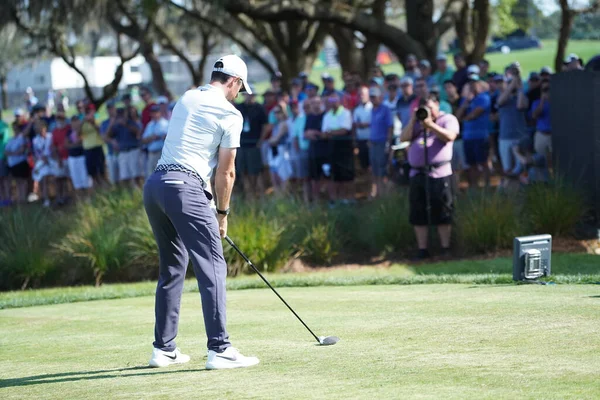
(162,100)
(302,75)
(377,80)
(111,103)
(473,69)
(571,57)
(326,77)
(411,57)
(296,82)
(155,108)
(441,57)
(534,76)
(407,80)
(425,63)
(473,77)
(546,70)
(499,78)
(374,91)
(233,65)
(311,85)
(19,112)
(434,89)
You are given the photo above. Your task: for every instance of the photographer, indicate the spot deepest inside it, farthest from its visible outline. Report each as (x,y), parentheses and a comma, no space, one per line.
(431,133)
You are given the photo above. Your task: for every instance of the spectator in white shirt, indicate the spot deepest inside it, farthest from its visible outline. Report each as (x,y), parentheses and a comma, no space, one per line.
(337,126)
(362,123)
(154,137)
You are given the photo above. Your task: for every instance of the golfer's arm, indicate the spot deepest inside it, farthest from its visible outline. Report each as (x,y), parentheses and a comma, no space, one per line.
(225,177)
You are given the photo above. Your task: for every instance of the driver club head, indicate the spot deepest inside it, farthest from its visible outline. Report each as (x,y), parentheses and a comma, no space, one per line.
(328,340)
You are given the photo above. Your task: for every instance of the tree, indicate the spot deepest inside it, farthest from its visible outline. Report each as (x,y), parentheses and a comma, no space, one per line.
(522,12)
(351,56)
(11,49)
(294,44)
(504,18)
(135,19)
(53,27)
(420,38)
(567,14)
(472,29)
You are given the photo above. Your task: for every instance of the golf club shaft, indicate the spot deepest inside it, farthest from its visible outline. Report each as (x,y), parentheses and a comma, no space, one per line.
(269,285)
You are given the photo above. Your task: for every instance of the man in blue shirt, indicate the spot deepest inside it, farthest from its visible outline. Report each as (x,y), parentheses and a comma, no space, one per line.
(382,127)
(474,113)
(125,135)
(512,105)
(540,112)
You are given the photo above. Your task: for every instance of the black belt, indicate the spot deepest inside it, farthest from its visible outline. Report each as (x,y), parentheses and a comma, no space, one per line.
(430,167)
(180,168)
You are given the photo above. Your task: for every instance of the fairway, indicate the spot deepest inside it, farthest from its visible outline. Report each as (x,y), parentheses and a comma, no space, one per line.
(424,341)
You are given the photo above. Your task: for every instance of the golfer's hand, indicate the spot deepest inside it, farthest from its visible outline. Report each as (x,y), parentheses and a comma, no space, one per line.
(222,219)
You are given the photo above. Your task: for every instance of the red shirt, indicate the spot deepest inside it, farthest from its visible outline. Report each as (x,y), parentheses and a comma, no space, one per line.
(146,115)
(59,139)
(350,100)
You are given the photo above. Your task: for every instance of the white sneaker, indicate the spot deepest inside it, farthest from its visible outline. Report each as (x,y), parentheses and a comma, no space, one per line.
(164,358)
(230,358)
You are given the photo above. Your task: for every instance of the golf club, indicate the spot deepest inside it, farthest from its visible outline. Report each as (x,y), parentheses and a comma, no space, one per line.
(323,340)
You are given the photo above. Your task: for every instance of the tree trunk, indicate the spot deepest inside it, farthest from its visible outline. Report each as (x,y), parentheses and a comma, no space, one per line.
(420,26)
(566,23)
(25,283)
(158,79)
(349,56)
(98,277)
(4,88)
(481,9)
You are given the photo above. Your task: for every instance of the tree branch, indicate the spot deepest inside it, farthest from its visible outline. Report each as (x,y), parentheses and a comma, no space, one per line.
(226,32)
(449,16)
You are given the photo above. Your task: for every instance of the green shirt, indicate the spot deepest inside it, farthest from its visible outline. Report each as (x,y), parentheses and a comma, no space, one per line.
(4,136)
(440,78)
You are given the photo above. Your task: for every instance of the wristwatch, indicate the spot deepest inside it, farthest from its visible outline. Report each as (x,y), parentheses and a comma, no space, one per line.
(223,212)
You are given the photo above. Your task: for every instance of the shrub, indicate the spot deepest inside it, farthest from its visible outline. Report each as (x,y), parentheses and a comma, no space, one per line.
(98,238)
(486,222)
(25,251)
(554,208)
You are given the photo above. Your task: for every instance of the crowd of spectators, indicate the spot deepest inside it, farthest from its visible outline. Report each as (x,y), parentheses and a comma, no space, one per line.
(313,140)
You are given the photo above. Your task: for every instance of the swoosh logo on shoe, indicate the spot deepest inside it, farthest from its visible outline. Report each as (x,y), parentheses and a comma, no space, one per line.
(227,358)
(171,357)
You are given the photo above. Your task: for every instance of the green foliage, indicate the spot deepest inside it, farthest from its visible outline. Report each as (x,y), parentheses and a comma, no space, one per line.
(110,238)
(504,19)
(553,209)
(486,222)
(25,250)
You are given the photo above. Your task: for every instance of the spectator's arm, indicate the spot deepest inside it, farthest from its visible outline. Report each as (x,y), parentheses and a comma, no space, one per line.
(134,128)
(522,101)
(461,111)
(283,129)
(505,95)
(537,111)
(476,113)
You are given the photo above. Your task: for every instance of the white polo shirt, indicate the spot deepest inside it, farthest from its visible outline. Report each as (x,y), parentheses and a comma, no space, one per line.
(202,121)
(362,114)
(340,119)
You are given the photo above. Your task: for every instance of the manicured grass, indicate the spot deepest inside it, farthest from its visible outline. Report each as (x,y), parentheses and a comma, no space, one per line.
(566,268)
(402,342)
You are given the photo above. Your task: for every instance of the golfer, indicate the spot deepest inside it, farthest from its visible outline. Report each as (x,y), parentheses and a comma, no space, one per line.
(204,131)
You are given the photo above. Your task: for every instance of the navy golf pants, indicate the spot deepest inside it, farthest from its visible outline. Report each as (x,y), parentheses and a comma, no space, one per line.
(185,227)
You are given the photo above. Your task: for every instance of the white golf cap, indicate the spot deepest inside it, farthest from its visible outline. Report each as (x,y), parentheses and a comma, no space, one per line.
(473,69)
(162,100)
(232,65)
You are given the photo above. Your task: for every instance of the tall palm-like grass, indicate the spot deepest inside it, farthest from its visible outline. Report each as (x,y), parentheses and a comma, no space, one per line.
(25,245)
(554,208)
(487,222)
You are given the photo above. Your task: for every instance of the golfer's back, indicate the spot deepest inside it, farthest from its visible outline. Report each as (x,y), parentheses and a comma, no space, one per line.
(202,120)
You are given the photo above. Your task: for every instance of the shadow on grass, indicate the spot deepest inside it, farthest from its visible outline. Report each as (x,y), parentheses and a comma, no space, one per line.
(88,376)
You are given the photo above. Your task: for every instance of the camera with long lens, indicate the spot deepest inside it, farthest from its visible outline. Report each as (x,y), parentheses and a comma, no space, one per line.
(422,113)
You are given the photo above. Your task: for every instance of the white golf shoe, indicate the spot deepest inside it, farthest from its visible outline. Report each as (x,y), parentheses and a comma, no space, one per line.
(230,358)
(164,358)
